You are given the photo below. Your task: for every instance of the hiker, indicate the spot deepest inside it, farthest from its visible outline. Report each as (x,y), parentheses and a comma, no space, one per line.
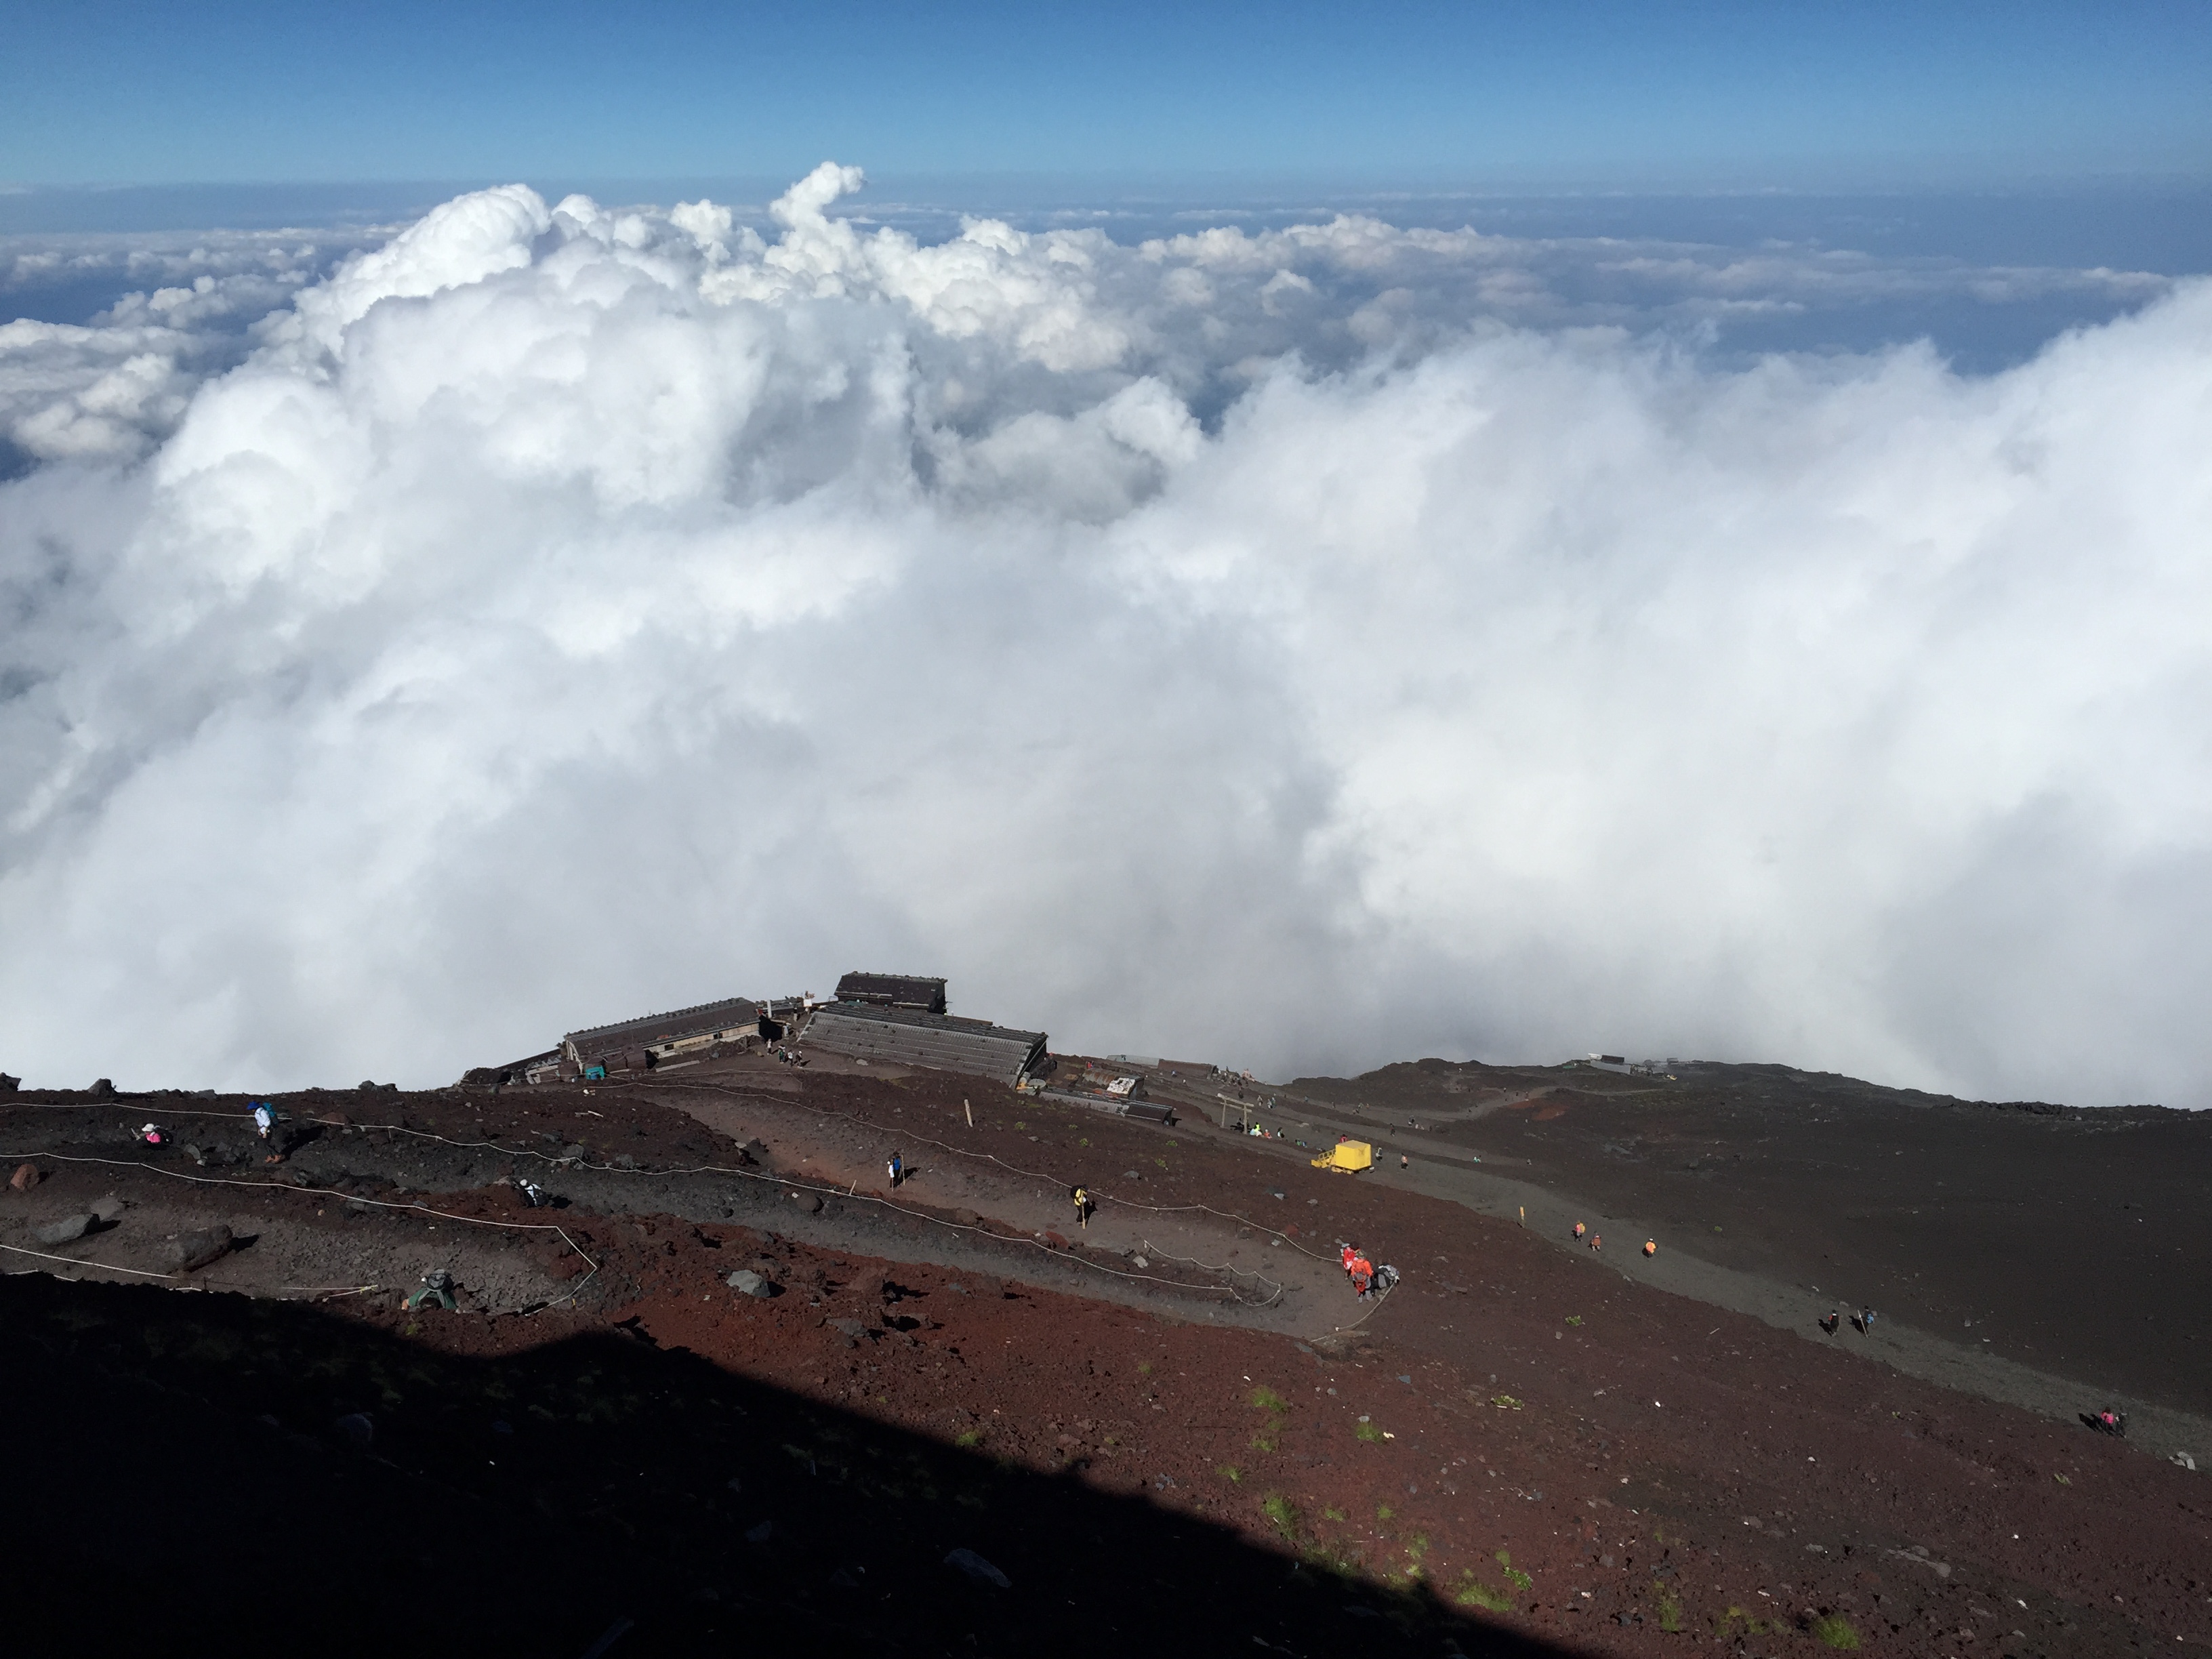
(264,1119)
(1580,1229)
(1597,1240)
(1350,1253)
(2111,1422)
(1650,1246)
(1866,1320)
(1832,1322)
(1404,1162)
(897,1167)
(1082,1207)
(1363,1276)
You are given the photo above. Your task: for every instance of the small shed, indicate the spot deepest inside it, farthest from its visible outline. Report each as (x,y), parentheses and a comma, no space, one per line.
(893,991)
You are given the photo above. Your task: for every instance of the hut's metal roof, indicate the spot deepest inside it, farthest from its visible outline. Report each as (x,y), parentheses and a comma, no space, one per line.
(667,1028)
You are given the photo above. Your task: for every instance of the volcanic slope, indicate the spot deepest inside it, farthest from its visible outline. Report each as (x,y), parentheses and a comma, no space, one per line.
(1518,1450)
(2074,1242)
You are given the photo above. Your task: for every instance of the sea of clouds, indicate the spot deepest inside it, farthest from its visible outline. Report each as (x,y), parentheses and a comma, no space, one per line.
(1302,647)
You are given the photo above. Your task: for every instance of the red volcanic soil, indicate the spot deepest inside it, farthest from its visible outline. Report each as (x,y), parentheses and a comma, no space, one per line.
(1518,1450)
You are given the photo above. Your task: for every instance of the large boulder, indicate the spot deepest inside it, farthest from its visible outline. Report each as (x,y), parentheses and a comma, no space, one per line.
(188,1251)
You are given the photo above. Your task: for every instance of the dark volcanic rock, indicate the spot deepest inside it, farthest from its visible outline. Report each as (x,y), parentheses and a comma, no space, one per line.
(195,1249)
(67,1231)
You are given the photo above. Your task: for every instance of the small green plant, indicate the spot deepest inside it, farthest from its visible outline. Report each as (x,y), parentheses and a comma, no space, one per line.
(1283,1514)
(1384,1512)
(1268,1401)
(1670,1607)
(1230,1472)
(1021,1126)
(1473,1593)
(1514,1575)
(2062,1479)
(1082,1143)
(1368,1432)
(1833,1630)
(1418,1546)
(1144,1368)
(1574,1319)
(1265,1443)
(968,1440)
(1725,1624)
(1326,1558)
(1332,1513)
(1505,1402)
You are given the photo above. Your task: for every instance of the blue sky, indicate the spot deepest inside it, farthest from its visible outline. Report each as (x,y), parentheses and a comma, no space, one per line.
(1618,96)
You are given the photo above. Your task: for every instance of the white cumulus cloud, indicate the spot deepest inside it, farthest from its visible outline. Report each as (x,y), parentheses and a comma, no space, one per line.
(1303,647)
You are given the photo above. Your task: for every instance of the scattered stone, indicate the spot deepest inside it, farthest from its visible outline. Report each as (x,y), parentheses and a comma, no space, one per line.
(760,1534)
(574,1151)
(9,1084)
(2184,1460)
(977,1571)
(850,1329)
(1143,1262)
(357,1429)
(1058,1242)
(745,1282)
(195,1249)
(968,1217)
(108,1209)
(755,1151)
(103,1087)
(25,1178)
(810,1202)
(624,1161)
(67,1231)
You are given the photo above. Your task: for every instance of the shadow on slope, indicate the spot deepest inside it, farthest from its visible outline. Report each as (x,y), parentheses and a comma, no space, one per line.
(182,1478)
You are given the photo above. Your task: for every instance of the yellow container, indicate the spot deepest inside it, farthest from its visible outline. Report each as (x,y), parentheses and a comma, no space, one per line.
(1349,1156)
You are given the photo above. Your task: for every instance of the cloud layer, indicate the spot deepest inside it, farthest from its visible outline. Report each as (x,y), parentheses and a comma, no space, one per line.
(1304,648)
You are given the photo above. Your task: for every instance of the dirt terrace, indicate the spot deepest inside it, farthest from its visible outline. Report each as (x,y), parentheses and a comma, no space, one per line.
(1519,1448)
